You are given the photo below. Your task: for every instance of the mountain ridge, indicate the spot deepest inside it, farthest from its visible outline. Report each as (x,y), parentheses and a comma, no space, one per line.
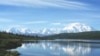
(70,28)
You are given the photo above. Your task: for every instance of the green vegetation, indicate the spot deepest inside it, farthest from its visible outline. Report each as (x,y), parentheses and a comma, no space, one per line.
(8,53)
(10,41)
(12,53)
(6,44)
(4,35)
(82,35)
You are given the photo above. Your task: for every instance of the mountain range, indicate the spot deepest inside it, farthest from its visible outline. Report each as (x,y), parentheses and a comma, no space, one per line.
(69,28)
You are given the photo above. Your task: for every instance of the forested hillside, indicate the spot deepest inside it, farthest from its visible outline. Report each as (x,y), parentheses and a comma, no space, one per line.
(9,41)
(4,35)
(81,35)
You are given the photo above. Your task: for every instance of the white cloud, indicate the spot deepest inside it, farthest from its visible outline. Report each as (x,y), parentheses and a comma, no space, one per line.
(35,22)
(46,3)
(16,26)
(5,20)
(55,23)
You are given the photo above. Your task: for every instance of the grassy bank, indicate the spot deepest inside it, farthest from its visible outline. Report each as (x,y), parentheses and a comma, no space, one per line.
(6,44)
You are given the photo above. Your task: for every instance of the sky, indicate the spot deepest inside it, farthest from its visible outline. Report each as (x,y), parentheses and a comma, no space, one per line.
(39,14)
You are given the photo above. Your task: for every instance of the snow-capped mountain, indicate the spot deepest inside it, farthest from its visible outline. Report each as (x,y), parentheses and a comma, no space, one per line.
(18,30)
(46,31)
(77,27)
(70,28)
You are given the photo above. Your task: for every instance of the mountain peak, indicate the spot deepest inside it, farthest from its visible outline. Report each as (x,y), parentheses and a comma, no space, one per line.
(77,27)
(17,30)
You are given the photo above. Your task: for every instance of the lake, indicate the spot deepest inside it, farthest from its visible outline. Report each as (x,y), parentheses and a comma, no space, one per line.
(60,48)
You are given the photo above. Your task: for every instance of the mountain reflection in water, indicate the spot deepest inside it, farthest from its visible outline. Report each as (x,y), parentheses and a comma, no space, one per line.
(58,48)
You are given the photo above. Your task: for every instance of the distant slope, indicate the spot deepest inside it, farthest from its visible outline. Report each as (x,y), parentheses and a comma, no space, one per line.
(81,35)
(5,35)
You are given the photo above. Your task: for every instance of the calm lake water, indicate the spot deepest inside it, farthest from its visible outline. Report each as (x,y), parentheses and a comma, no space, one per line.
(59,48)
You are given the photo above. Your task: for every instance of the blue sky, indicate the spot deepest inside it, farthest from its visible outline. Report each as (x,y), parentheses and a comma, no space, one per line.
(38,14)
